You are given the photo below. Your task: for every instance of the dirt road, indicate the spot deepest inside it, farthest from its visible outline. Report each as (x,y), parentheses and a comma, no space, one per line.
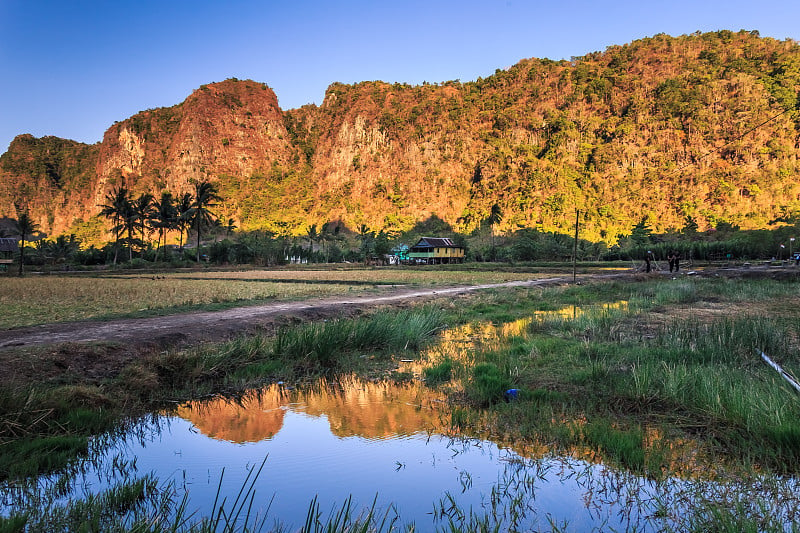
(187,328)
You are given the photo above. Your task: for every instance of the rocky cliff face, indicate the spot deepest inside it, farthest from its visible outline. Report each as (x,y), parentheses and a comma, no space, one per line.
(51,177)
(223,130)
(232,128)
(390,151)
(702,126)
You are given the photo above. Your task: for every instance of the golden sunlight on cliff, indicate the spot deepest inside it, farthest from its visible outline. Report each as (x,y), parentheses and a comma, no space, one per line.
(257,417)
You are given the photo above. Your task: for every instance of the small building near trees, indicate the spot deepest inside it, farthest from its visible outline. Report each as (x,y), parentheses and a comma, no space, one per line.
(436,251)
(8,246)
(399,255)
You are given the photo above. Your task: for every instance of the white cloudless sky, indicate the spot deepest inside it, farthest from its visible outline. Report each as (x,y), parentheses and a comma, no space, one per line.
(71,68)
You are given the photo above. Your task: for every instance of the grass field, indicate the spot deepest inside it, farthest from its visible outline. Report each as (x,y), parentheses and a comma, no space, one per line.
(43,299)
(626,372)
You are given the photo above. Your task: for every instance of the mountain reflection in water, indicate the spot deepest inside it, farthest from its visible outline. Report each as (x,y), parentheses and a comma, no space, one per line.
(383,439)
(353,408)
(386,443)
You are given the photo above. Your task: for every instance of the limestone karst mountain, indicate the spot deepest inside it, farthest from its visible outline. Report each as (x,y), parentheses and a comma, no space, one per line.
(702,125)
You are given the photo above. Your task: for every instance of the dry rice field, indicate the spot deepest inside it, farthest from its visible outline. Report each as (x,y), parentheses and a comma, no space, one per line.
(36,300)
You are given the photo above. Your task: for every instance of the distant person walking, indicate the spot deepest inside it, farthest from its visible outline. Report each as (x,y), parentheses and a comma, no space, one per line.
(674,259)
(647,258)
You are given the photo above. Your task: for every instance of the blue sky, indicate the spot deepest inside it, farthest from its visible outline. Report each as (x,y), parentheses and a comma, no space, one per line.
(70,68)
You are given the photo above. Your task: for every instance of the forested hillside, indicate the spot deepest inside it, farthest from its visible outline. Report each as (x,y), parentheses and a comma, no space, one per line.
(703,126)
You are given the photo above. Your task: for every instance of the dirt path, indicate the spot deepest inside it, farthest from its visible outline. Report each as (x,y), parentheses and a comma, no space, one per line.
(187,328)
(190,328)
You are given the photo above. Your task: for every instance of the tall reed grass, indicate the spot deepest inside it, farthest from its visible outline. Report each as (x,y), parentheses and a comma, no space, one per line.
(144,505)
(321,343)
(594,379)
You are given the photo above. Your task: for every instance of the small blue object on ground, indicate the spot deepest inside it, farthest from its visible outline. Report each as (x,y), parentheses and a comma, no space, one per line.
(511,394)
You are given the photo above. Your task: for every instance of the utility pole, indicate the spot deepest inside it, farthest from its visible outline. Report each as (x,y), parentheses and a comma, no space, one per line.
(575,247)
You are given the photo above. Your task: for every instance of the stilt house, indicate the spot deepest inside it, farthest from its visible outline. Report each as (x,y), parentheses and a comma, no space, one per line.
(436,251)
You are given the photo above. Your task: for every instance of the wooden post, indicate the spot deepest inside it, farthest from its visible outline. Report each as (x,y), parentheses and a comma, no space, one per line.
(575,247)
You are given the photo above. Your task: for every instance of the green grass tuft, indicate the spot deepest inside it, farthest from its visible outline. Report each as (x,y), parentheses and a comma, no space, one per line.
(488,384)
(441,373)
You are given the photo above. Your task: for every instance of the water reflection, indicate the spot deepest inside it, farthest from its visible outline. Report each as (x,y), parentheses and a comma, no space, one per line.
(461,342)
(681,457)
(352,408)
(576,311)
(366,439)
(394,440)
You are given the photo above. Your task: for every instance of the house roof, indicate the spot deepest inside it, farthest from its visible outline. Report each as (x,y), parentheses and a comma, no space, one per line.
(435,242)
(9,244)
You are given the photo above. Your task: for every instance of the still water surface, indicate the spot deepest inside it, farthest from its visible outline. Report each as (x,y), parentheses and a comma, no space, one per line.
(367,439)
(385,442)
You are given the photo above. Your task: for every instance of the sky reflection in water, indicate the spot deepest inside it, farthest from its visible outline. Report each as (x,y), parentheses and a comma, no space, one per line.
(364,439)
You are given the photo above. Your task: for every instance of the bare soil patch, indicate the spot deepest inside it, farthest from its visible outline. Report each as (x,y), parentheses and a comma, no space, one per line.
(97,350)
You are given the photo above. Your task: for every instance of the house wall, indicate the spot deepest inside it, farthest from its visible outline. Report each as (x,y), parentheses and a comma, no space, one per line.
(439,253)
(448,252)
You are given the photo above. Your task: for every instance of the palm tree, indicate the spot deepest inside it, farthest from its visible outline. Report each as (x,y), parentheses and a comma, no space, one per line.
(312,236)
(129,227)
(216,228)
(165,217)
(229,227)
(283,233)
(24,226)
(328,234)
(143,212)
(184,209)
(63,248)
(205,197)
(117,206)
(365,235)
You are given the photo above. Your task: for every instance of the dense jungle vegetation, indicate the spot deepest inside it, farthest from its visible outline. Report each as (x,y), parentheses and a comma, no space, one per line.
(701,127)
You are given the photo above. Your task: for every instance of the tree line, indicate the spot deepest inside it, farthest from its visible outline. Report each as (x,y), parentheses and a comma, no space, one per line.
(135,218)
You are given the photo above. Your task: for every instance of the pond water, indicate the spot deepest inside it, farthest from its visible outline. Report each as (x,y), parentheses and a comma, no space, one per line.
(381,442)
(366,440)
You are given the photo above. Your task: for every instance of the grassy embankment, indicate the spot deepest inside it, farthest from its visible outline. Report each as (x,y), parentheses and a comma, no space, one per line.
(58,430)
(663,378)
(48,410)
(637,368)
(44,424)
